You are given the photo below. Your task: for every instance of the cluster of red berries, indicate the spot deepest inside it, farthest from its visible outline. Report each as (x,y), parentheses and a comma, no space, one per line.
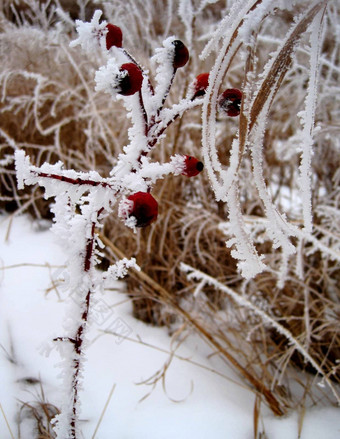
(131,78)
(130,82)
(229,101)
(142,205)
(144,208)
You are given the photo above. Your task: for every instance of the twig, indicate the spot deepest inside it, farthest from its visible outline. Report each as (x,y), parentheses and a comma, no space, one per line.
(9,428)
(104,410)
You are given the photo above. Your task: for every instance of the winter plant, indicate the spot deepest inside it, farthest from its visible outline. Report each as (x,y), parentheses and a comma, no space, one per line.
(83,200)
(259,279)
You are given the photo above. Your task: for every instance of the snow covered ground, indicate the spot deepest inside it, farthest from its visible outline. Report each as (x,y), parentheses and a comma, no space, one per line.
(199,398)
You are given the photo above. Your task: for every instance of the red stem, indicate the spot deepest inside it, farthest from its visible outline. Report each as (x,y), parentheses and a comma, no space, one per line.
(77,181)
(77,341)
(167,91)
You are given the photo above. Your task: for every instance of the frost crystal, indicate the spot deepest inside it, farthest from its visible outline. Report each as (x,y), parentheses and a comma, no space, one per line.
(109,77)
(125,207)
(90,35)
(120,269)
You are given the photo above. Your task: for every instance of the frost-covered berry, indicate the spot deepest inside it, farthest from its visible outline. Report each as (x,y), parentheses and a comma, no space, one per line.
(230,101)
(114,36)
(131,82)
(144,208)
(201,84)
(192,166)
(181,54)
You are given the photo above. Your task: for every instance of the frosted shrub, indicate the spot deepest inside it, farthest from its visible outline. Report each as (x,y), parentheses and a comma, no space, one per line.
(84,199)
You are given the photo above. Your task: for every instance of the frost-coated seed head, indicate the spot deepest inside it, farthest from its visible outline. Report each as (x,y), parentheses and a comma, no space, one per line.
(144,208)
(192,166)
(181,54)
(201,84)
(130,83)
(114,36)
(230,101)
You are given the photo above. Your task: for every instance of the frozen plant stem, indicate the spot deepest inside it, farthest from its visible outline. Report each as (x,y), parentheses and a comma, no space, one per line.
(79,338)
(77,343)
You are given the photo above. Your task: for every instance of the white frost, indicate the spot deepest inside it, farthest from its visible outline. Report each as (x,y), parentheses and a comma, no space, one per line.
(91,35)
(108,78)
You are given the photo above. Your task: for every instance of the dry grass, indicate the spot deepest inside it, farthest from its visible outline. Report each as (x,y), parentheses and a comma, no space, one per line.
(61,117)
(42,414)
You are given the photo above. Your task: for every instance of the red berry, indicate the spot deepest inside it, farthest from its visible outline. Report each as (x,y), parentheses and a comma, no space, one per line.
(230,101)
(144,209)
(192,166)
(132,81)
(181,54)
(114,36)
(201,84)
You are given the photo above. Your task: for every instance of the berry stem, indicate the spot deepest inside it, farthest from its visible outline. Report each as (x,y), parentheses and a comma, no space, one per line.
(159,128)
(76,181)
(132,59)
(145,116)
(159,109)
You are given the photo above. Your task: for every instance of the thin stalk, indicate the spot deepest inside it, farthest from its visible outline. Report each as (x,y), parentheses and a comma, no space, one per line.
(78,340)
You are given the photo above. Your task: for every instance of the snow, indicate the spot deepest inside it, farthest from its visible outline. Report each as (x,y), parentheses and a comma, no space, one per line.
(200,397)
(90,35)
(109,77)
